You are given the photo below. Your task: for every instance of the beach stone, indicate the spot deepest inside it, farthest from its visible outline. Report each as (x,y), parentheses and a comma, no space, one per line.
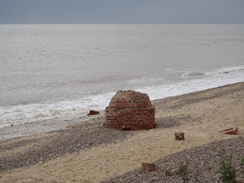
(154,179)
(92,112)
(179,136)
(148,167)
(183,167)
(130,110)
(172,171)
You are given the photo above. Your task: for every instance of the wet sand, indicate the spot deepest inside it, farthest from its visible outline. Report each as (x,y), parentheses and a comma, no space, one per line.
(88,152)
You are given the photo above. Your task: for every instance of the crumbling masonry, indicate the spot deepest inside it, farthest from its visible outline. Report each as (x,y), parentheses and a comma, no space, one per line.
(130,110)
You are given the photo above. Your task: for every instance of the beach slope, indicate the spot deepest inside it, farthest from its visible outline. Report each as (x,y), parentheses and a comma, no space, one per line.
(88,152)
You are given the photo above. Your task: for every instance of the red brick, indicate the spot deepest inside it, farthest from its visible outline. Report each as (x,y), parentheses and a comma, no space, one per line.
(130,110)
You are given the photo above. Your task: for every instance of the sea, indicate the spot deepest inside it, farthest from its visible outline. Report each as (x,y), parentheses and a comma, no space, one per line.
(55,70)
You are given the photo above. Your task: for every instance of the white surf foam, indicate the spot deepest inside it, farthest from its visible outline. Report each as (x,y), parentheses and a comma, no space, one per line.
(21,114)
(207,80)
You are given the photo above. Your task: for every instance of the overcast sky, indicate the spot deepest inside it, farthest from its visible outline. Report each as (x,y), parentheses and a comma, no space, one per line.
(122,11)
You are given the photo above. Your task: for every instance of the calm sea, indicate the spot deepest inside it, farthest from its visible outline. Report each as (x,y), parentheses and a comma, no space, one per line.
(52,71)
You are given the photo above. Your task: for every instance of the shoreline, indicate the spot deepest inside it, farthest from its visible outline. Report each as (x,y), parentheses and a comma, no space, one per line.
(61,123)
(88,152)
(42,126)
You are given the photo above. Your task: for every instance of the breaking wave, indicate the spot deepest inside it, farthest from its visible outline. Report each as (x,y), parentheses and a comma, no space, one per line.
(191,82)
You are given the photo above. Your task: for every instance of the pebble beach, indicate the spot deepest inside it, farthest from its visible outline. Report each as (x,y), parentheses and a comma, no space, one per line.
(86,151)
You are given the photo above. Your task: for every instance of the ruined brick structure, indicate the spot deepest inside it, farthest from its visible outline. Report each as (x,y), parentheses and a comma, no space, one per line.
(130,110)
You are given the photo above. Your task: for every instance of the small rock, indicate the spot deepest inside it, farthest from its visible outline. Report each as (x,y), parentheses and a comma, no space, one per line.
(179,136)
(92,112)
(148,167)
(154,179)
(183,167)
(171,172)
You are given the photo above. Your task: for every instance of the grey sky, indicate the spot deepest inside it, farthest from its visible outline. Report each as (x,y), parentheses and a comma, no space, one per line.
(122,11)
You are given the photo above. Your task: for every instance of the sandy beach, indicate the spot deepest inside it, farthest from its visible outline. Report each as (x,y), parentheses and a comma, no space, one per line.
(88,152)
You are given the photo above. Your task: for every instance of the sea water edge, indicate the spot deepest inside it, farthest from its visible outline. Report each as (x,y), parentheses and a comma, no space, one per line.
(174,80)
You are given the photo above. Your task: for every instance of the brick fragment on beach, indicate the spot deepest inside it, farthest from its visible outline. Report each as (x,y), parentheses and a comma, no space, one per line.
(172,171)
(148,167)
(93,112)
(179,136)
(183,167)
(230,131)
